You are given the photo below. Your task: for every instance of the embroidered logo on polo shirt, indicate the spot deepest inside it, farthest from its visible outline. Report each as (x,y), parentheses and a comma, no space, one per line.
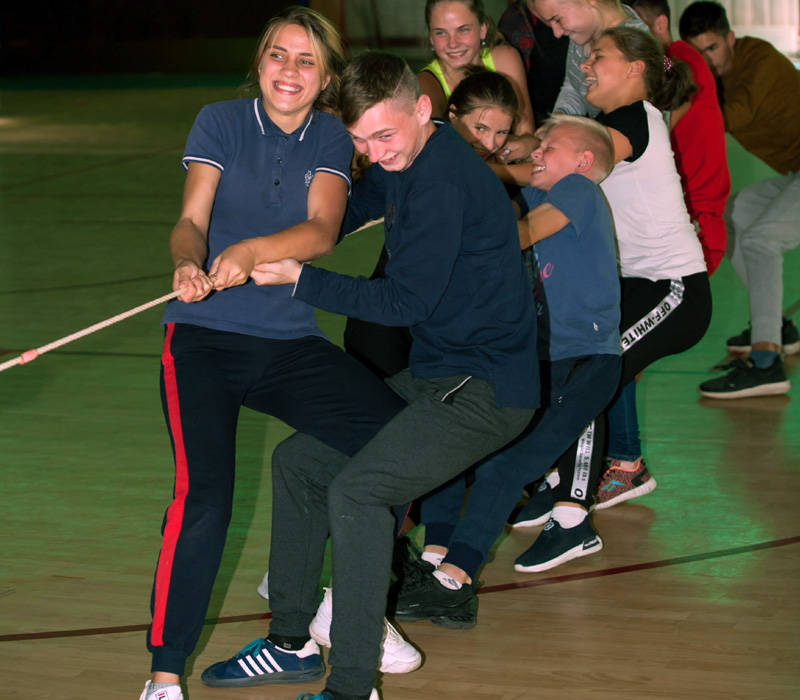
(308,177)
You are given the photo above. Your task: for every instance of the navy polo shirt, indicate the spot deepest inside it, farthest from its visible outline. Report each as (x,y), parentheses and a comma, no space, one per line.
(578,298)
(263,189)
(454,275)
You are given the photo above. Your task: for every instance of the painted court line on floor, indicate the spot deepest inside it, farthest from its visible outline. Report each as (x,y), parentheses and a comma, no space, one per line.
(643,566)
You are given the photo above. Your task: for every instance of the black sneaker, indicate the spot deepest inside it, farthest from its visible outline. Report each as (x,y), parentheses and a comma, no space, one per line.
(745,379)
(790,339)
(537,510)
(556,545)
(422,597)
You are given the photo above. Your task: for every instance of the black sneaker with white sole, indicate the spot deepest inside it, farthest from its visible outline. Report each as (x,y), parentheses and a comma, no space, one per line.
(423,597)
(790,339)
(745,379)
(537,510)
(556,545)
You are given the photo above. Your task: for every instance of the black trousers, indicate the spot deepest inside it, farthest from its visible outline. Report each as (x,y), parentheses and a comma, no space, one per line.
(206,376)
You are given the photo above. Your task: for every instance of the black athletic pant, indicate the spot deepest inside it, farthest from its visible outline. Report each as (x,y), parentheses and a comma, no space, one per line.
(206,376)
(658,318)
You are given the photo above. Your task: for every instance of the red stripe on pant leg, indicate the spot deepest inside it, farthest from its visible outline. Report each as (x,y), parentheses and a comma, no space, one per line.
(174,520)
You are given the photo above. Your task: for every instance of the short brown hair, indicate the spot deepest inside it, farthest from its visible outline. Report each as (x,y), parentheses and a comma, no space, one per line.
(375,77)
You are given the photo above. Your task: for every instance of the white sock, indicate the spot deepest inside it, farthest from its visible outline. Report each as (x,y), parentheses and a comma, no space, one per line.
(569,516)
(553,478)
(433,558)
(447,581)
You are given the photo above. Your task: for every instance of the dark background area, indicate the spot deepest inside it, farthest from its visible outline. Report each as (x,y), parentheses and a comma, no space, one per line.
(109,36)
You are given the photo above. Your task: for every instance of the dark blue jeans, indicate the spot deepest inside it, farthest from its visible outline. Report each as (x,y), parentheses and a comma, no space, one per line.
(580,388)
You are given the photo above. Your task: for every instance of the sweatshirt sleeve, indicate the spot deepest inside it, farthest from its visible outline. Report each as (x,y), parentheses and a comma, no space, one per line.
(423,243)
(367,201)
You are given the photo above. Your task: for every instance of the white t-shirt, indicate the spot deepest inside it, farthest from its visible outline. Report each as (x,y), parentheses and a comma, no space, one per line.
(655,237)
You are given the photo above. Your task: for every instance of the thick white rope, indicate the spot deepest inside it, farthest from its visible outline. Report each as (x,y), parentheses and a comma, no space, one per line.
(31,355)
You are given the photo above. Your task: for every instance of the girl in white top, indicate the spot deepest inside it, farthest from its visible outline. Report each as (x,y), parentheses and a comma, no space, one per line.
(666,299)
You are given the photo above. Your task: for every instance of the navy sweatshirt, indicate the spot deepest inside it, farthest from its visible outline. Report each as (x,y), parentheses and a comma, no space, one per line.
(455,274)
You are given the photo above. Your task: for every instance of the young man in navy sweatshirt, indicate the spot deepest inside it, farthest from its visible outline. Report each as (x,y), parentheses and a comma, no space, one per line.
(456,279)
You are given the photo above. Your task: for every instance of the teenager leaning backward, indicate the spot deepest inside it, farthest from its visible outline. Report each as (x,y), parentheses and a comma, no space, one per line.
(265,176)
(455,277)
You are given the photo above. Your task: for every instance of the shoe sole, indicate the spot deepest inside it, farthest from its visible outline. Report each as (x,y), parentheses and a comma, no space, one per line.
(311,674)
(642,490)
(454,623)
(570,554)
(773,389)
(541,520)
(389,664)
(447,621)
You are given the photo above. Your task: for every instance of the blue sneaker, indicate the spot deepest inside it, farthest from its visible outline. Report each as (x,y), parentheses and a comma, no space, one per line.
(537,510)
(327,695)
(556,545)
(262,662)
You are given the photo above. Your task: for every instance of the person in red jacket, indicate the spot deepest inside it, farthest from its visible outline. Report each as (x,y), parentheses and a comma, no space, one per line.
(697,133)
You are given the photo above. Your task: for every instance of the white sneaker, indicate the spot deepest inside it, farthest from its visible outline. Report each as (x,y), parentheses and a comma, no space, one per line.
(263,587)
(171,692)
(398,655)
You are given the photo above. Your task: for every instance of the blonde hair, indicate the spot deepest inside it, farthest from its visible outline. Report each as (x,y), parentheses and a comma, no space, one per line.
(326,47)
(588,135)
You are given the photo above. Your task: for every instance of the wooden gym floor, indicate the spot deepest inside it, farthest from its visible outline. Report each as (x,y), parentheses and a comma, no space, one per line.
(693,596)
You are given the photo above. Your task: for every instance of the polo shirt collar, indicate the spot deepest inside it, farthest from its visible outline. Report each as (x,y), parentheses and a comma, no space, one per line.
(265,125)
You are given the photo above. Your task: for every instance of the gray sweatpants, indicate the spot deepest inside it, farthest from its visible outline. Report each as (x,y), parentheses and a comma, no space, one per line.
(449,424)
(763,223)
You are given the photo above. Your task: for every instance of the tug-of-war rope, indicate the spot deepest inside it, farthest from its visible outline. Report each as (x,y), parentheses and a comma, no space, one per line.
(31,355)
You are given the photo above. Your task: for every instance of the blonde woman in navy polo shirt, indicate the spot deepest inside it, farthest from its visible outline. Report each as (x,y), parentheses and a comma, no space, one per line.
(267,178)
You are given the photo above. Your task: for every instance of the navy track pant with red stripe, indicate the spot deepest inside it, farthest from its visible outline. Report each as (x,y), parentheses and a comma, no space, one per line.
(206,376)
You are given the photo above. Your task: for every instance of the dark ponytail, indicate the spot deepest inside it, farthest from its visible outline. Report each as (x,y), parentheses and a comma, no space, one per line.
(668,83)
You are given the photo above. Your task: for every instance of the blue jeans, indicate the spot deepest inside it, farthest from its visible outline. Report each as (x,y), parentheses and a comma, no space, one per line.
(623,425)
(579,390)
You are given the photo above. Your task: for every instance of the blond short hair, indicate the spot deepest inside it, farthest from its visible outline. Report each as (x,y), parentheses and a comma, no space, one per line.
(589,135)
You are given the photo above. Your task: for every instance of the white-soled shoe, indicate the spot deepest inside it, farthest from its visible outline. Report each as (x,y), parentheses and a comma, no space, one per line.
(263,587)
(398,655)
(171,692)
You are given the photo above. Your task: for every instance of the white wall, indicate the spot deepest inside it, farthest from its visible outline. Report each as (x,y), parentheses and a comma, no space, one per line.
(777,21)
